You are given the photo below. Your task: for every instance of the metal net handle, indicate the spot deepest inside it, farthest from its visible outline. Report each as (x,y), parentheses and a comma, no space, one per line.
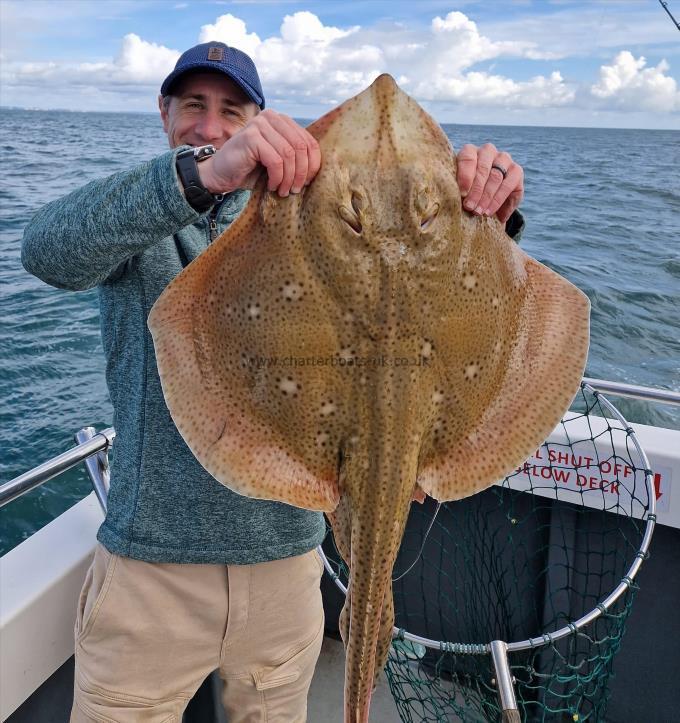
(569,628)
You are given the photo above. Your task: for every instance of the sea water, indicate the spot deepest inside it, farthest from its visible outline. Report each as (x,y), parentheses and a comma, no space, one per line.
(602,208)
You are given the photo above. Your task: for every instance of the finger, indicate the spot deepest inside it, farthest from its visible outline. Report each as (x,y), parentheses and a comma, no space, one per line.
(314,157)
(267,148)
(485,157)
(308,152)
(512,202)
(512,184)
(297,138)
(270,157)
(495,181)
(301,165)
(281,170)
(467,165)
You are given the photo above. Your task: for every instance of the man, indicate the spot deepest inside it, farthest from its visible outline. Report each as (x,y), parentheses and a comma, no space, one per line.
(189,577)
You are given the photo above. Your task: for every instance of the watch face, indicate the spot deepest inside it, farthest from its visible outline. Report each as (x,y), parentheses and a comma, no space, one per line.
(202,152)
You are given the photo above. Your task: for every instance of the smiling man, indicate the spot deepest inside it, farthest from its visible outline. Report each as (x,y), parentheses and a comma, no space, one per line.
(189,577)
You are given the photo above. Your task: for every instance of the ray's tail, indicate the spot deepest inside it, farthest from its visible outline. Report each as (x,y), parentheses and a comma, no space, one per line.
(377,526)
(368,637)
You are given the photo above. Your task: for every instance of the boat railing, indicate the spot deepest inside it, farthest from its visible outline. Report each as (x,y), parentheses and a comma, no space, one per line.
(647,394)
(93,446)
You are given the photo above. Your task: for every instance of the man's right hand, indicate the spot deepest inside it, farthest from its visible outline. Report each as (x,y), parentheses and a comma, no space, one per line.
(288,153)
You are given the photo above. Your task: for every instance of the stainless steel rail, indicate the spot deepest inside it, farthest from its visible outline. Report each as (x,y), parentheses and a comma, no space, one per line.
(499,649)
(571,628)
(93,450)
(100,443)
(619,389)
(97,466)
(55,466)
(641,555)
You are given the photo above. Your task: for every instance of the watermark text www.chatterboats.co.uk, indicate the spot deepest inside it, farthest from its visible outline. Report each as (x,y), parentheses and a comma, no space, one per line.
(291,362)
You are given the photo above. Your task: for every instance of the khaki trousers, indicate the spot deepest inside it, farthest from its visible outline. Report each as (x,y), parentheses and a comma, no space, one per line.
(148,634)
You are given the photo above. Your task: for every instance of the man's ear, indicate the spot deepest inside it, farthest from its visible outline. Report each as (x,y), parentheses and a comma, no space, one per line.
(164,112)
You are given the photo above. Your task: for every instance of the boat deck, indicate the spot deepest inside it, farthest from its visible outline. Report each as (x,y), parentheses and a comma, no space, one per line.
(325,702)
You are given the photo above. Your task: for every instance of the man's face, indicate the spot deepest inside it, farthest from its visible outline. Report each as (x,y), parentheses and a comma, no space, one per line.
(205,108)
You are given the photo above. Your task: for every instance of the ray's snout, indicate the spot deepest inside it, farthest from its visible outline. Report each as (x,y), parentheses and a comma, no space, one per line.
(385,83)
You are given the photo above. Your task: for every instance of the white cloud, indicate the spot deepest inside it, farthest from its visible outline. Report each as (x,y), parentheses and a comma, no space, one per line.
(628,85)
(232,31)
(305,60)
(142,62)
(449,64)
(305,27)
(477,88)
(455,46)
(457,40)
(309,60)
(138,63)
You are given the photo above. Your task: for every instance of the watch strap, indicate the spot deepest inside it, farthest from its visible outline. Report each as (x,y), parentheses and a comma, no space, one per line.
(197,195)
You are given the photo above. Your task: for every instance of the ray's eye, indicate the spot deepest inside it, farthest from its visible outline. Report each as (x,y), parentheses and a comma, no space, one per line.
(352,216)
(425,208)
(358,203)
(429,217)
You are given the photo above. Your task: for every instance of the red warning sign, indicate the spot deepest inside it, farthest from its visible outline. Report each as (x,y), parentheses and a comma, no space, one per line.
(549,468)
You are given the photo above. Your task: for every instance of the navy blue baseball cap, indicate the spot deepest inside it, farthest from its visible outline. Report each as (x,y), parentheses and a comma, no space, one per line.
(218,57)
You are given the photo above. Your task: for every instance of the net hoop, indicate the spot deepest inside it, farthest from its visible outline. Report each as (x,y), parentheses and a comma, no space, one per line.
(570,628)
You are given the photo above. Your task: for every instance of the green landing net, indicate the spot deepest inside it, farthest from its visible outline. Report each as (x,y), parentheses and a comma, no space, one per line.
(544,561)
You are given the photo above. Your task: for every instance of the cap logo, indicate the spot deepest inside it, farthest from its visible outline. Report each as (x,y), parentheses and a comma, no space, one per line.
(215,53)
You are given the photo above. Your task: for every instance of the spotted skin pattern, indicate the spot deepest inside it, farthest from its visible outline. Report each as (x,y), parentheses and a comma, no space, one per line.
(343,348)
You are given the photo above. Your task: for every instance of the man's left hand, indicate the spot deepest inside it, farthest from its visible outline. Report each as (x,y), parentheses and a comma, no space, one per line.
(485,190)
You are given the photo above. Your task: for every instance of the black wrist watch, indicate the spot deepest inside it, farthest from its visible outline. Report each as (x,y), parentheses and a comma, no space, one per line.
(197,195)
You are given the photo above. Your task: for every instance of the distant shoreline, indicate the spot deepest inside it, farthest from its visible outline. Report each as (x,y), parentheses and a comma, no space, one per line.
(310,120)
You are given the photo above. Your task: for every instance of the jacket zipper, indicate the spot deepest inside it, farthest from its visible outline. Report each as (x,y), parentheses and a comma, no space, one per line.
(213,219)
(213,228)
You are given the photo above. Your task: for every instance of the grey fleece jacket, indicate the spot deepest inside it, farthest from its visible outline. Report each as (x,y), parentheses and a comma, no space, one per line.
(129,234)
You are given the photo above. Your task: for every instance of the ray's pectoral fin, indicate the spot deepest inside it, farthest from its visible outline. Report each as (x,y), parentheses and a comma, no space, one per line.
(218,398)
(522,406)
(419,495)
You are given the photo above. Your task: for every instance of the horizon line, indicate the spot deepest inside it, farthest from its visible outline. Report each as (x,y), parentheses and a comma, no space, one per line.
(311,120)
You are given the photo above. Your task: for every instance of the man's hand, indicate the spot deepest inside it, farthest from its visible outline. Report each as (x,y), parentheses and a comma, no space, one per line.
(288,153)
(483,188)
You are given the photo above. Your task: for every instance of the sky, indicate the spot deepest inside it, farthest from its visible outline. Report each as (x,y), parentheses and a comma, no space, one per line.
(554,63)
